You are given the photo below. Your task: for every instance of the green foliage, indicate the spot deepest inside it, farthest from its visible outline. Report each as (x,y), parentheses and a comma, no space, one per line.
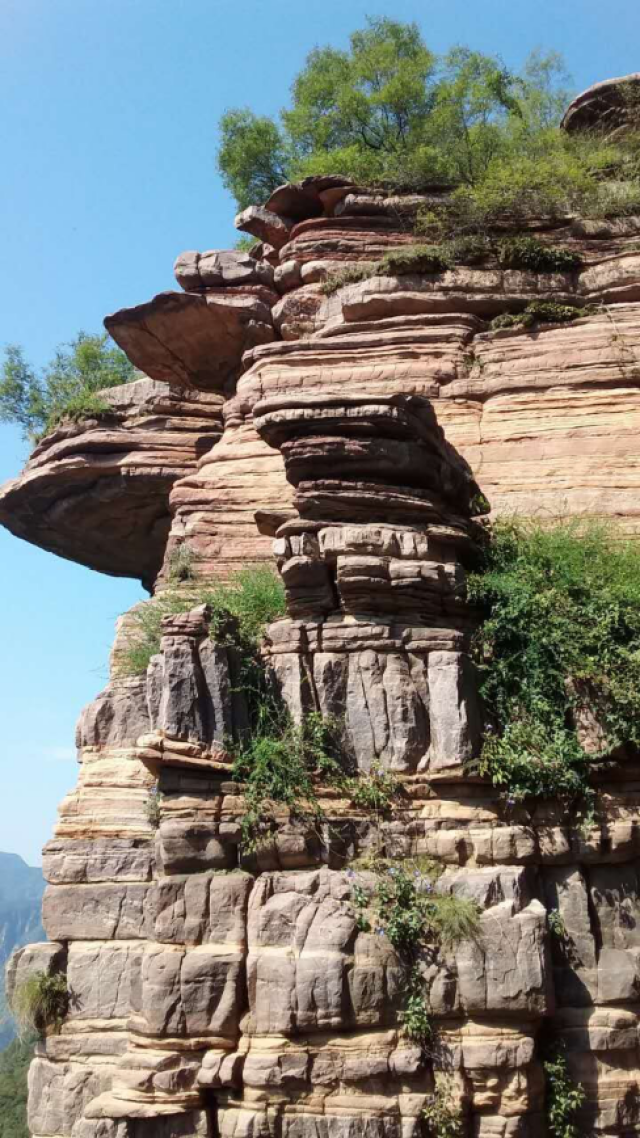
(351,274)
(407,259)
(252,157)
(563,1097)
(278,766)
(241,608)
(404,906)
(529,253)
(413,259)
(182,564)
(67,387)
(556,924)
(374,791)
(14,1067)
(442,1113)
(389,113)
(560,636)
(153,807)
(538,312)
(40,1003)
(246,243)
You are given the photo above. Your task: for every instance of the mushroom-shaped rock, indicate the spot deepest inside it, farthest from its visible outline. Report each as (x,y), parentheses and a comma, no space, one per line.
(194,339)
(96,490)
(608,106)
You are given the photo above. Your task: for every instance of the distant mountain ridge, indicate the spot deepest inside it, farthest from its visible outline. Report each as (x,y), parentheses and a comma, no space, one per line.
(21,889)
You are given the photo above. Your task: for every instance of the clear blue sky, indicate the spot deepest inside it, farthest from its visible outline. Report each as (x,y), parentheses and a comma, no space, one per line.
(108,135)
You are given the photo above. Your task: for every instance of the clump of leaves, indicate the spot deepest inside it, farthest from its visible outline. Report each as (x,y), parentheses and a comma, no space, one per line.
(351,274)
(526,252)
(538,312)
(397,262)
(442,1112)
(68,387)
(563,1097)
(556,924)
(241,608)
(279,765)
(182,564)
(413,259)
(560,631)
(40,1003)
(153,807)
(404,906)
(374,791)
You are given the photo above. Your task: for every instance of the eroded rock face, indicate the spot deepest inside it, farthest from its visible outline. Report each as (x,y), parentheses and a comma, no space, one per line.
(96,491)
(605,107)
(219,989)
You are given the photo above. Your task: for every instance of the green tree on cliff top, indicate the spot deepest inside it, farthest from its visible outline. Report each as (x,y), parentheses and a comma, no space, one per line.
(389,110)
(65,387)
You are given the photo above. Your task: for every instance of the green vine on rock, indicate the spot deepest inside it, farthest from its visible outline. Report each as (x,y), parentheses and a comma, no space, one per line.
(563,1097)
(402,904)
(442,1112)
(558,654)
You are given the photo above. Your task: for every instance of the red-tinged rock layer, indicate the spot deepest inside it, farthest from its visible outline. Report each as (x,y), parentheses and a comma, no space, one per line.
(96,490)
(546,417)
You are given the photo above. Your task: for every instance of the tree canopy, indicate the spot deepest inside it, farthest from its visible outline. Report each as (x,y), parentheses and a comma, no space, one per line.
(66,386)
(390,110)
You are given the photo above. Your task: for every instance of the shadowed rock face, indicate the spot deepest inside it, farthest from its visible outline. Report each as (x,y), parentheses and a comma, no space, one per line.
(605,106)
(218,989)
(96,491)
(193,340)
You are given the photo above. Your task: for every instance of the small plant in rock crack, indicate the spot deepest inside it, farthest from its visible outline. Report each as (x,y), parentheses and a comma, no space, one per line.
(398,900)
(563,1097)
(182,565)
(153,807)
(442,1111)
(374,791)
(40,1003)
(556,924)
(279,765)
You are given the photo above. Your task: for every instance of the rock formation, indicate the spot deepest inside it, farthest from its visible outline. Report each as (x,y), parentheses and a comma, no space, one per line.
(215,988)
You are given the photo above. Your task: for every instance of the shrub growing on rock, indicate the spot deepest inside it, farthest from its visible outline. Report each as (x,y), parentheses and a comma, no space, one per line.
(40,1003)
(558,648)
(538,312)
(66,388)
(528,253)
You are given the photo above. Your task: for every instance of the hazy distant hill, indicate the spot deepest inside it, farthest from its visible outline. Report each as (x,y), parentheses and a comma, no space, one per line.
(21,889)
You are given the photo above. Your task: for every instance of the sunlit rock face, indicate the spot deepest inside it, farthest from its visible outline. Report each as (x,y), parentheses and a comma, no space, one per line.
(217,989)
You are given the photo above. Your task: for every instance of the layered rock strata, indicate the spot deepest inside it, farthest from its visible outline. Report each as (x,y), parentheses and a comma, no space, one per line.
(372,566)
(96,490)
(218,989)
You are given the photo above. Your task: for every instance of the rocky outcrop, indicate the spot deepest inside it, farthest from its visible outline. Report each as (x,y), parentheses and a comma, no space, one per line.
(607,106)
(96,490)
(218,987)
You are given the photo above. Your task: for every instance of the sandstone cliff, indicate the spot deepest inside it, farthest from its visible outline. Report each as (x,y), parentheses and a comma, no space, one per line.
(218,988)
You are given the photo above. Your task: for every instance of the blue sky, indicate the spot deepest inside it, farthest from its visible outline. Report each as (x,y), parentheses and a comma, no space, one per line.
(108,135)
